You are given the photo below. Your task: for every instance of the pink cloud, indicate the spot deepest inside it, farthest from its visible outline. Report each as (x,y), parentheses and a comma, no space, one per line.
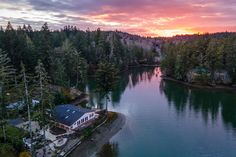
(144,17)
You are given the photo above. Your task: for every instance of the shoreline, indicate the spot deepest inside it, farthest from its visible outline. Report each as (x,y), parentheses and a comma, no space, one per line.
(101,136)
(208,87)
(134,66)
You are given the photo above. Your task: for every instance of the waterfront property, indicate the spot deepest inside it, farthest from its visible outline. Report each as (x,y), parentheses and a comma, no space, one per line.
(198,74)
(222,77)
(71,117)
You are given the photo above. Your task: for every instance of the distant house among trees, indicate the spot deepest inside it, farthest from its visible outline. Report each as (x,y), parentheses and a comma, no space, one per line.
(222,77)
(20,104)
(202,75)
(198,74)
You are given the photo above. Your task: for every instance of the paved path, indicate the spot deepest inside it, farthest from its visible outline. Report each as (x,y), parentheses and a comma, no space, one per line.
(100,137)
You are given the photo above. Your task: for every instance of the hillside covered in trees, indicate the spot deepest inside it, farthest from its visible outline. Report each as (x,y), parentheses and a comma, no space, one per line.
(32,62)
(205,56)
(68,53)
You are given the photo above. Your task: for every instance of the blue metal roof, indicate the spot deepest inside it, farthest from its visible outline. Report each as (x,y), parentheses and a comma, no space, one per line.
(15,122)
(68,114)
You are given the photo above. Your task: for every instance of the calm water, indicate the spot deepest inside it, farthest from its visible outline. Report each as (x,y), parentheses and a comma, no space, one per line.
(165,119)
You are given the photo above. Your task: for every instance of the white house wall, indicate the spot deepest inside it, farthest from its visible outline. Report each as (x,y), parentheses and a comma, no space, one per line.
(74,126)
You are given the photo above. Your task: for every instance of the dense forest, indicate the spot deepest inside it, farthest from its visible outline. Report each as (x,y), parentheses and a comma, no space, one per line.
(33,61)
(205,54)
(67,54)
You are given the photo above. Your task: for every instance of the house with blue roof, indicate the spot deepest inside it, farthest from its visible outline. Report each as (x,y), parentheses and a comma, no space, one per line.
(71,117)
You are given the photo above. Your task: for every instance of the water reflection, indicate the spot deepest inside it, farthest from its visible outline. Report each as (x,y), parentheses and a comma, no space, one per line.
(130,79)
(161,113)
(209,103)
(109,150)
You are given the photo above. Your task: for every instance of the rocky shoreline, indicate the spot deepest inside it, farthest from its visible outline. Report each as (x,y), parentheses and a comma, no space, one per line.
(101,136)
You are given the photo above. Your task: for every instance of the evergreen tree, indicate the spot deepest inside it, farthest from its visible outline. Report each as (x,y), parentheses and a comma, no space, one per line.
(25,94)
(106,76)
(75,64)
(230,49)
(44,45)
(59,72)
(168,64)
(214,56)
(9,26)
(44,95)
(6,75)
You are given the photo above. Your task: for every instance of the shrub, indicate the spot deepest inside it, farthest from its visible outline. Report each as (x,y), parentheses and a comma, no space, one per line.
(25,154)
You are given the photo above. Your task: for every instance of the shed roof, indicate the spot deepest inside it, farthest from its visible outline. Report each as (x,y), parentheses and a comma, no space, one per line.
(201,70)
(15,122)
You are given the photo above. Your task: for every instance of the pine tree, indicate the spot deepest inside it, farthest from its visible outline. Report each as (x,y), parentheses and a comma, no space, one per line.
(25,94)
(75,64)
(214,56)
(44,95)
(44,45)
(6,76)
(80,68)
(107,76)
(230,49)
(9,26)
(59,72)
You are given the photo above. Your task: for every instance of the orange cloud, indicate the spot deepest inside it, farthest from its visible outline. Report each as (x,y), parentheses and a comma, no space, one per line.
(143,17)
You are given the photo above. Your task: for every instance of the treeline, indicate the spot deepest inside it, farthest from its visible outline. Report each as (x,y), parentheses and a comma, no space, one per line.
(210,53)
(67,54)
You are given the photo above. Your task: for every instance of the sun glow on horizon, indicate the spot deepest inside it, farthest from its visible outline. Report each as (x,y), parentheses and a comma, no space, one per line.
(171,32)
(141,17)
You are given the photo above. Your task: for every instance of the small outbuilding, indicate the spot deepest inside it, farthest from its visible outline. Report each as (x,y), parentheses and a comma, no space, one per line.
(222,77)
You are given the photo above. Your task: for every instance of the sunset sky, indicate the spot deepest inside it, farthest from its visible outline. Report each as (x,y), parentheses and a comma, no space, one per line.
(143,17)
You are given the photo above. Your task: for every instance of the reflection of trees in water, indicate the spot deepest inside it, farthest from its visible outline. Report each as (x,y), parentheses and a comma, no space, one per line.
(129,78)
(229,111)
(138,75)
(175,94)
(109,150)
(206,102)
